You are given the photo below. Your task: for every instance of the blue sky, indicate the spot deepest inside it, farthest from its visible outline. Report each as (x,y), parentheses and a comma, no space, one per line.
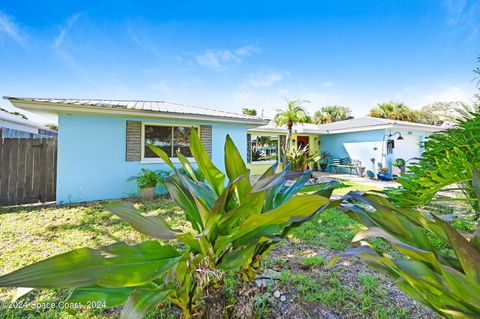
(253,54)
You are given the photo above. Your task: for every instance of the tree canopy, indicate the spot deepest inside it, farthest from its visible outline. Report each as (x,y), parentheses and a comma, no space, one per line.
(334,113)
(293,113)
(249,111)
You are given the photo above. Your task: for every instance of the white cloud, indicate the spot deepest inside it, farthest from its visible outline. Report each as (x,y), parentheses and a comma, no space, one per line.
(10,29)
(445,93)
(264,79)
(60,38)
(217,60)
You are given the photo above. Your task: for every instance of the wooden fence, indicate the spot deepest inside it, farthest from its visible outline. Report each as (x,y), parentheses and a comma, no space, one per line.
(28,169)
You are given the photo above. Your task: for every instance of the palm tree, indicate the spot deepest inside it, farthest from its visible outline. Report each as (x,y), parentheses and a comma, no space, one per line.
(329,114)
(294,113)
(394,111)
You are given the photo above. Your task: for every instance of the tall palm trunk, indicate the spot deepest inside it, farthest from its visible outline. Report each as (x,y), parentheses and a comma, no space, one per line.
(288,142)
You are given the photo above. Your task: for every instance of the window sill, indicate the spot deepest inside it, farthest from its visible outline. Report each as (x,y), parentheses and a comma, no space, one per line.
(263,162)
(174,160)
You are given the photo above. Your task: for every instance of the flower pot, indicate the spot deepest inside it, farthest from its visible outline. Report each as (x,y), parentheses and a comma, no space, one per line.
(323,167)
(147,193)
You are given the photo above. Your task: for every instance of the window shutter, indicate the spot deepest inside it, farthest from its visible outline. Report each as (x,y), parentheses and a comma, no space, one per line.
(134,143)
(206,137)
(249,148)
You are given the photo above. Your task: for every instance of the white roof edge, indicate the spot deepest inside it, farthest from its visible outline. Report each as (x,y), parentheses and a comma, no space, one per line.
(393,125)
(5,116)
(65,107)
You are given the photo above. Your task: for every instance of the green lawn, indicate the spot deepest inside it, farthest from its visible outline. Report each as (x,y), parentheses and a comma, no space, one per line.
(31,234)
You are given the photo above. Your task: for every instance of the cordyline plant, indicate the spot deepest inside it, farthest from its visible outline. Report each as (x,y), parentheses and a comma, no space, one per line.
(446,279)
(234,225)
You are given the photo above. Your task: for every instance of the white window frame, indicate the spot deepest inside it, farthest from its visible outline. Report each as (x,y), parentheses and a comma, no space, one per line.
(158,160)
(252,162)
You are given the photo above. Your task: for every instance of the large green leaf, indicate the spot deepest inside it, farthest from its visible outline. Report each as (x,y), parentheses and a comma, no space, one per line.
(152,226)
(235,168)
(467,254)
(184,200)
(112,296)
(212,174)
(296,208)
(186,164)
(160,153)
(141,301)
(117,265)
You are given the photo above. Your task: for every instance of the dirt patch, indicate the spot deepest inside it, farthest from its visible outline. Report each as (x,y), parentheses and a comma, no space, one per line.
(350,289)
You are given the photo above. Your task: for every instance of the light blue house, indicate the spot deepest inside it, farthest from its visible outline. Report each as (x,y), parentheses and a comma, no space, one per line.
(102,143)
(361,139)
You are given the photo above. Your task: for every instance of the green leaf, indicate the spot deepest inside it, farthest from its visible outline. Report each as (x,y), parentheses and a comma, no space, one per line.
(160,153)
(214,177)
(296,208)
(269,172)
(112,296)
(476,183)
(151,226)
(117,265)
(141,301)
(235,168)
(186,164)
(468,256)
(184,199)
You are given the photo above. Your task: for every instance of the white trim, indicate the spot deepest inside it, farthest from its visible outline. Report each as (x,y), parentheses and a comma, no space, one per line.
(69,108)
(392,126)
(262,162)
(156,160)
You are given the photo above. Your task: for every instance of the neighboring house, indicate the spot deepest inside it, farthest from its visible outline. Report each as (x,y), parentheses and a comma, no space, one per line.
(13,126)
(101,143)
(360,139)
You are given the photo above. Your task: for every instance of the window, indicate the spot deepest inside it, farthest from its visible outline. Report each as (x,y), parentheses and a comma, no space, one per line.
(263,148)
(168,138)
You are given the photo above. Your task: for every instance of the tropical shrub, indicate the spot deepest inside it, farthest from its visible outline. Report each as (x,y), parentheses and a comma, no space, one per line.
(300,158)
(233,226)
(436,264)
(148,178)
(449,160)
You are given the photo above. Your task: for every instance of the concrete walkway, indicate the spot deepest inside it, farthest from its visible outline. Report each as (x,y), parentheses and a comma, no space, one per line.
(327,176)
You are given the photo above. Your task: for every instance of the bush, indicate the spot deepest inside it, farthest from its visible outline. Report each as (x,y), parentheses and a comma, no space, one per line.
(450,159)
(438,265)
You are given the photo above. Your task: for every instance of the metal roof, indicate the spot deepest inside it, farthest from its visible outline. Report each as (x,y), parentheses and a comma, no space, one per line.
(159,107)
(372,123)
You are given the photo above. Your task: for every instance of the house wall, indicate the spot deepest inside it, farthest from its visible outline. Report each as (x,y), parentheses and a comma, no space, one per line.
(91,155)
(371,143)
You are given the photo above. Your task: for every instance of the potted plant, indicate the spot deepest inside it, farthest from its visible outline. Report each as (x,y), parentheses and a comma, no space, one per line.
(146,181)
(324,157)
(400,163)
(383,174)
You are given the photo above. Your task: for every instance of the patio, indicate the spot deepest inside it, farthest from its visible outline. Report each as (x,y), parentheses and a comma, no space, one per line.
(328,176)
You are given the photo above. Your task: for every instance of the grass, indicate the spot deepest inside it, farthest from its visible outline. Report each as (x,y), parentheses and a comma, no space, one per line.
(31,234)
(28,235)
